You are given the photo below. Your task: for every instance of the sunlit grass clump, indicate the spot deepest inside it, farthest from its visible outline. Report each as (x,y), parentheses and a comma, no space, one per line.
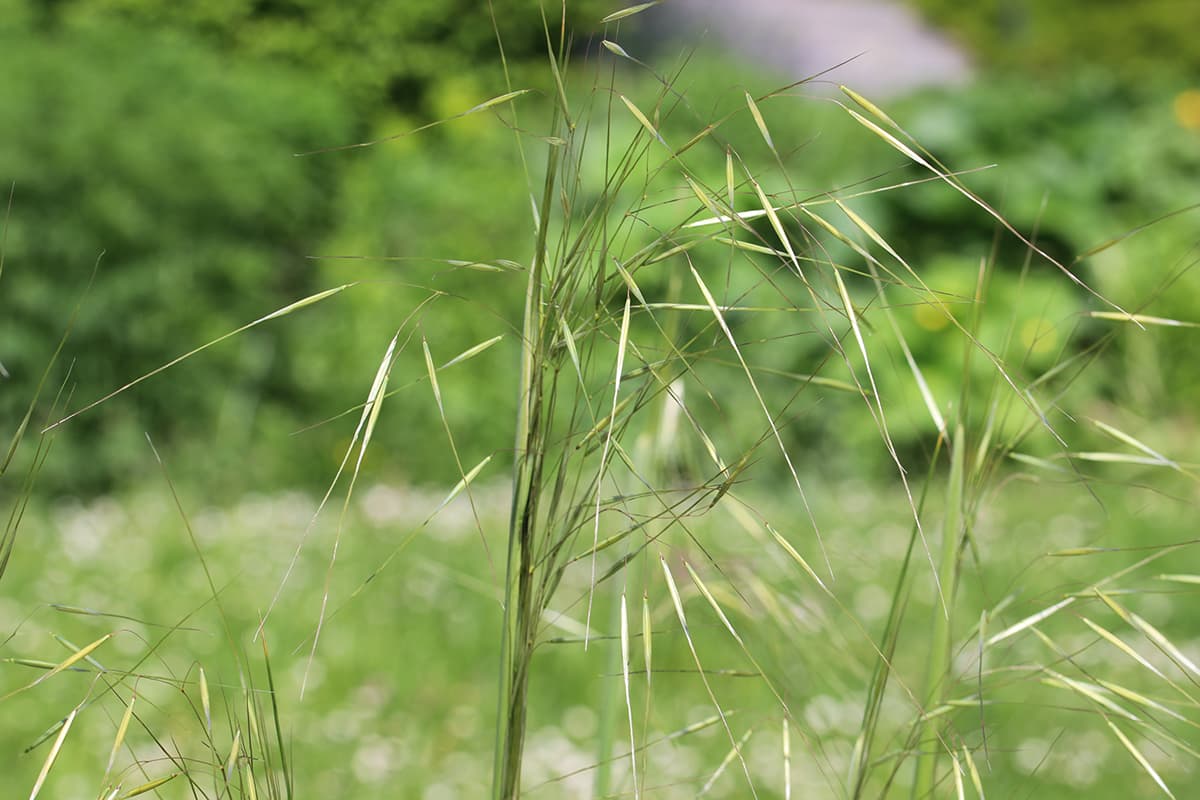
(682,595)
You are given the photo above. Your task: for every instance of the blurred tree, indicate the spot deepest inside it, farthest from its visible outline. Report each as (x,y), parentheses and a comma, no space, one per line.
(373,52)
(178,166)
(1130,39)
(162,133)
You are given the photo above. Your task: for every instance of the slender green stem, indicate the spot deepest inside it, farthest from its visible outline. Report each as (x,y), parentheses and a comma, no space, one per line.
(520,603)
(938,666)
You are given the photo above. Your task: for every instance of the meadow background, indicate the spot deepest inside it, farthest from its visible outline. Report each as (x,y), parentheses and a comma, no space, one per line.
(154,201)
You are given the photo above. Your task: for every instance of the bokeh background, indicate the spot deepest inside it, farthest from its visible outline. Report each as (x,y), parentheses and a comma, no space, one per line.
(165,190)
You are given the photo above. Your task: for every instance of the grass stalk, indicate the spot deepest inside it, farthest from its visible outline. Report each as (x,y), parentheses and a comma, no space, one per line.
(520,605)
(937,676)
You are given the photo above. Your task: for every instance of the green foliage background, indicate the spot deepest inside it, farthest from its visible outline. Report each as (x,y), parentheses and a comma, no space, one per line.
(1127,39)
(163,135)
(146,148)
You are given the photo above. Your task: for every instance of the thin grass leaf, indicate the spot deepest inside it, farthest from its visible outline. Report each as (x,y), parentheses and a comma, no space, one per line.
(471,352)
(1121,436)
(633,748)
(1120,644)
(1040,463)
(629,12)
(720,318)
(868,106)
(787,760)
(463,483)
(722,219)
(938,659)
(640,117)
(1088,691)
(1030,621)
(204,701)
(248,782)
(499,265)
(799,559)
(687,635)
(758,668)
(91,612)
(761,123)
(973,771)
(622,342)
(234,751)
(731,195)
(72,647)
(564,105)
(1152,633)
(507,97)
(734,752)
(630,283)
(281,312)
(647,640)
(931,404)
(1142,319)
(19,434)
(53,754)
(1118,239)
(777,226)
(716,607)
(122,728)
(280,746)
(1141,759)
(956,771)
(672,251)
(974,198)
(150,787)
(1143,701)
(1119,458)
(67,663)
(370,410)
(1163,643)
(374,404)
(603,425)
(1177,578)
(616,49)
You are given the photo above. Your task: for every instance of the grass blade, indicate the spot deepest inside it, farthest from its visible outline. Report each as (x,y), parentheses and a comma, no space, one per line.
(687,635)
(622,342)
(67,663)
(498,100)
(1141,759)
(1028,622)
(150,787)
(122,728)
(53,754)
(629,12)
(281,312)
(204,701)
(633,748)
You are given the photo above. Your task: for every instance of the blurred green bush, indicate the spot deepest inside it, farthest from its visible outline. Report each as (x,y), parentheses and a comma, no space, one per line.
(1075,163)
(1129,40)
(162,134)
(373,53)
(1080,162)
(176,165)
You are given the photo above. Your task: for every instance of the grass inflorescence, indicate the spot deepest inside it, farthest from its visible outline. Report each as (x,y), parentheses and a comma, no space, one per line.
(675,558)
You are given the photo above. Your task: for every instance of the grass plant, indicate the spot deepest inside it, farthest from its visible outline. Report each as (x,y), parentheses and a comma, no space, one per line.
(685,317)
